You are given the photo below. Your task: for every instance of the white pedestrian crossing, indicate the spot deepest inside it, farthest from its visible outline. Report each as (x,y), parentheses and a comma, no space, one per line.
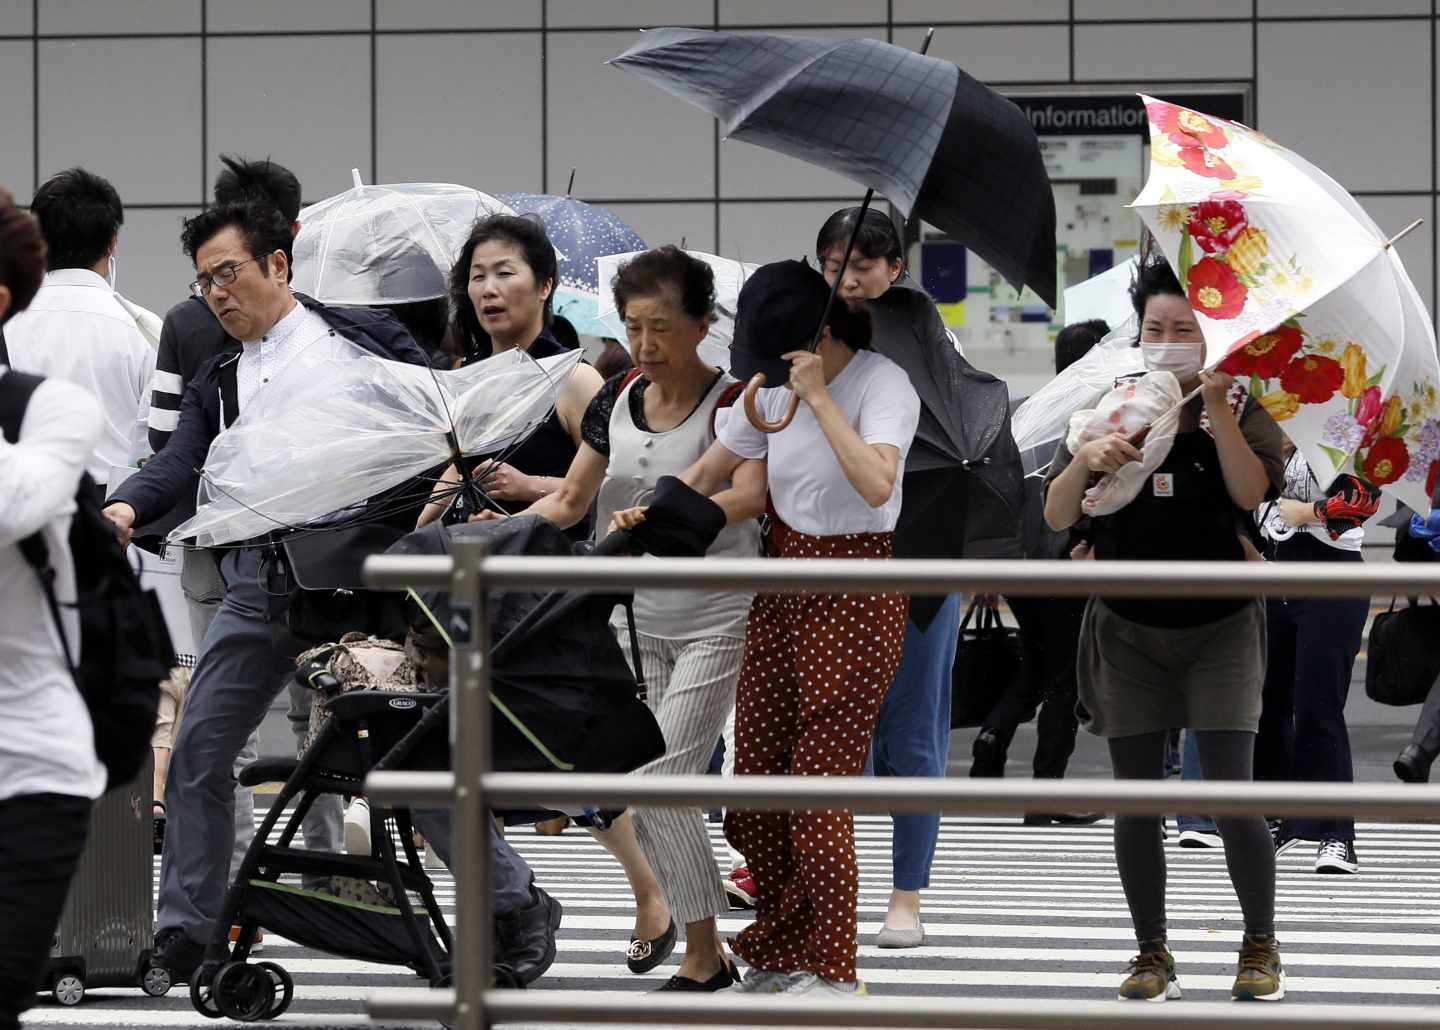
(1012,911)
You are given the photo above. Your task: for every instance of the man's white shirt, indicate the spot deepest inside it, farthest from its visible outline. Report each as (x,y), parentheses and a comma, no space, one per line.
(75,330)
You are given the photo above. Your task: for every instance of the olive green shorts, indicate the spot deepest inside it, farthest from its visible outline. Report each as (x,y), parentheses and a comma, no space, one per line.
(1136,679)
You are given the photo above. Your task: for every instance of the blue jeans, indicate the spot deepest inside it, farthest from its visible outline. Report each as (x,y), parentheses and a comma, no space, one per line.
(1190,770)
(912,737)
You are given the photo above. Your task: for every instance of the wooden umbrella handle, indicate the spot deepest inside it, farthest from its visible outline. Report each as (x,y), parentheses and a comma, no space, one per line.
(752,388)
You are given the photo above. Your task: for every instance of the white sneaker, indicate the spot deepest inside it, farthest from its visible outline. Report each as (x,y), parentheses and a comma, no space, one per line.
(357,827)
(432,860)
(1200,839)
(818,986)
(762,981)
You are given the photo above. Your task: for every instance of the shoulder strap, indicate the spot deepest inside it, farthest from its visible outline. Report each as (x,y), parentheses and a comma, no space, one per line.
(630,376)
(229,376)
(16,389)
(725,400)
(4,350)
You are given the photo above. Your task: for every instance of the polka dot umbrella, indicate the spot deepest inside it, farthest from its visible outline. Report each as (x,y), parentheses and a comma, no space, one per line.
(581,233)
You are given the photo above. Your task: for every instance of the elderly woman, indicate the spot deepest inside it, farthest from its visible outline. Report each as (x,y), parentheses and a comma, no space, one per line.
(816,666)
(1146,666)
(653,421)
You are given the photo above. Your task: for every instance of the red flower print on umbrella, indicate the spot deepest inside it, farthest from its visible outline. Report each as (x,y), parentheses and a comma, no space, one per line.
(1266,355)
(1386,461)
(1205,162)
(1216,224)
(1369,406)
(1185,127)
(1431,476)
(1214,290)
(1313,378)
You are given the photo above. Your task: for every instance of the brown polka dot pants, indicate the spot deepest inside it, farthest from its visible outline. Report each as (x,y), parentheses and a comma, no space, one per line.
(816,668)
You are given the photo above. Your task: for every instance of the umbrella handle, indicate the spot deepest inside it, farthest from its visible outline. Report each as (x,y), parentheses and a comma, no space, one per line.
(752,388)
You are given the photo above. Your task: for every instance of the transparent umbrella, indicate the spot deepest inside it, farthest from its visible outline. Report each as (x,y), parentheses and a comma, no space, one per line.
(386,244)
(340,426)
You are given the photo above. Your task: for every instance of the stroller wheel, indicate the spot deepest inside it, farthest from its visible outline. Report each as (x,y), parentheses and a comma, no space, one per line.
(243,992)
(202,998)
(284,989)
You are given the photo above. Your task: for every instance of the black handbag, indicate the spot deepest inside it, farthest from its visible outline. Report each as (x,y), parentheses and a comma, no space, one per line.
(987,663)
(1404,654)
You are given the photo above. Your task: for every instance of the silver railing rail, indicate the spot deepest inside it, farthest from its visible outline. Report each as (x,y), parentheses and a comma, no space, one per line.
(469,576)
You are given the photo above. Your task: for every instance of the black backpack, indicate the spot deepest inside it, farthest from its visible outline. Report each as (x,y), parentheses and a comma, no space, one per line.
(125,651)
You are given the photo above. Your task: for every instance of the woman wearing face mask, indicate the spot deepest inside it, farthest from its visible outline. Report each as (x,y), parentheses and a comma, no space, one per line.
(948,512)
(501,287)
(1148,665)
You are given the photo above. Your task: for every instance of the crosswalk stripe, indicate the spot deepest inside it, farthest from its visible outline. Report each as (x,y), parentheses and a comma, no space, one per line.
(1012,910)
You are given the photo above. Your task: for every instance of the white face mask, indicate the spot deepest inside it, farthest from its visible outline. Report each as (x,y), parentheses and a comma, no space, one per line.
(1183,359)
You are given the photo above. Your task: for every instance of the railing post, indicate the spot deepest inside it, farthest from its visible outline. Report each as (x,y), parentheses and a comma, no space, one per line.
(470,745)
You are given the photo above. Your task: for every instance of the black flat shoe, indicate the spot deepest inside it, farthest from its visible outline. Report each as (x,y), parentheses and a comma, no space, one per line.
(721,981)
(1412,765)
(1062,818)
(644,956)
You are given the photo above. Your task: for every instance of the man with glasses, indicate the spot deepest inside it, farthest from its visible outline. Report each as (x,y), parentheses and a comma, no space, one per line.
(190,338)
(242,257)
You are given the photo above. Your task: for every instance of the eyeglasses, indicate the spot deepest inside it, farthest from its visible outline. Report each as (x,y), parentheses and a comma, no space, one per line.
(223,276)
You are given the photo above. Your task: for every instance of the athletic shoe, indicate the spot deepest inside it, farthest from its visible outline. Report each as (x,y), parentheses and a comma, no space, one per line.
(357,827)
(762,981)
(1336,856)
(1283,842)
(819,987)
(1152,976)
(1261,976)
(177,954)
(1061,818)
(1200,839)
(740,888)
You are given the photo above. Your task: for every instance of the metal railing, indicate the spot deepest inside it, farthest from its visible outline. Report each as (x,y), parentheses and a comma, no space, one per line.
(472,788)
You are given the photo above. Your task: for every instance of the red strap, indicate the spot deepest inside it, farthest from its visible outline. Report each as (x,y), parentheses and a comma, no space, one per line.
(630,377)
(727,399)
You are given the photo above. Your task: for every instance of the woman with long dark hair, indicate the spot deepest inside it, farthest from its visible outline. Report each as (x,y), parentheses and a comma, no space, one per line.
(1146,666)
(501,288)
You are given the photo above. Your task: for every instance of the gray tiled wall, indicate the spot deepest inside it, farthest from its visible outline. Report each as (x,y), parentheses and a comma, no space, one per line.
(511,94)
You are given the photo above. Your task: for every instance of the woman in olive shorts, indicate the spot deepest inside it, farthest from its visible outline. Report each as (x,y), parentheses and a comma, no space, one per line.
(1147,666)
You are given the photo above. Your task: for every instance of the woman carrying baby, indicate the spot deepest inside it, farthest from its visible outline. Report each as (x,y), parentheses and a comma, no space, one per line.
(1147,666)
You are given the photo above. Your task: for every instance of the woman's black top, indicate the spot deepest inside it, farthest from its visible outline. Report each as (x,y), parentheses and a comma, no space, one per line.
(547,451)
(1184,513)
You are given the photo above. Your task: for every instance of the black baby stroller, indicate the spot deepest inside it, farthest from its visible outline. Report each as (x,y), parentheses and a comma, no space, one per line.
(565,698)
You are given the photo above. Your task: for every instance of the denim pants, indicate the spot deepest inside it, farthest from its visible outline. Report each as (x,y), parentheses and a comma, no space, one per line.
(1190,770)
(912,737)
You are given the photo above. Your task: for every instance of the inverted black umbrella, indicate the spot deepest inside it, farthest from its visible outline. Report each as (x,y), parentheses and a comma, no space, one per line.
(916,129)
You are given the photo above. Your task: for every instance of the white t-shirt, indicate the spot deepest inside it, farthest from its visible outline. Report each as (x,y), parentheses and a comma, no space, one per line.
(807,484)
(47,746)
(77,331)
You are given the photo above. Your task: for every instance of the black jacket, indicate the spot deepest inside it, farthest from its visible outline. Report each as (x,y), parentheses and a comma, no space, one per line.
(189,339)
(209,405)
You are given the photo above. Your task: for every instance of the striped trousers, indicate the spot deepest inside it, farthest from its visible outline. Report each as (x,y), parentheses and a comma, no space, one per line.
(691,687)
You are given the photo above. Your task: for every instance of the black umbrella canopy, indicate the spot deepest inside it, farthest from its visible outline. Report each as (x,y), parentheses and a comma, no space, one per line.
(933,140)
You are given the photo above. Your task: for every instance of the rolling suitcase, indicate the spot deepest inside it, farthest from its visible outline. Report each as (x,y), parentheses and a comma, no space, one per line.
(106,929)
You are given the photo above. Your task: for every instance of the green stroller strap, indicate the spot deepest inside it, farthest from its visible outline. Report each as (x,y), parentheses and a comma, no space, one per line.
(514,720)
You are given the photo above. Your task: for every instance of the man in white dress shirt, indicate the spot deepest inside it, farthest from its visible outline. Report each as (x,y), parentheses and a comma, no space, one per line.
(49,774)
(75,329)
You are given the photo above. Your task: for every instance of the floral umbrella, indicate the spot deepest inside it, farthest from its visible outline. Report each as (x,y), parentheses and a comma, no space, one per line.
(1300,294)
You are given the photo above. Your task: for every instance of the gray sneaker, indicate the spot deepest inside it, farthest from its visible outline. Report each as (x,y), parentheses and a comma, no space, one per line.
(819,987)
(762,981)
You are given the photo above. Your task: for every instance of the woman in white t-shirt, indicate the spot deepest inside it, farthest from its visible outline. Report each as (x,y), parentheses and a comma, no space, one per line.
(816,666)
(654,421)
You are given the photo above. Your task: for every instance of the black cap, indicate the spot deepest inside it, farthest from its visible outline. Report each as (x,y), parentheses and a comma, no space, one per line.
(780,307)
